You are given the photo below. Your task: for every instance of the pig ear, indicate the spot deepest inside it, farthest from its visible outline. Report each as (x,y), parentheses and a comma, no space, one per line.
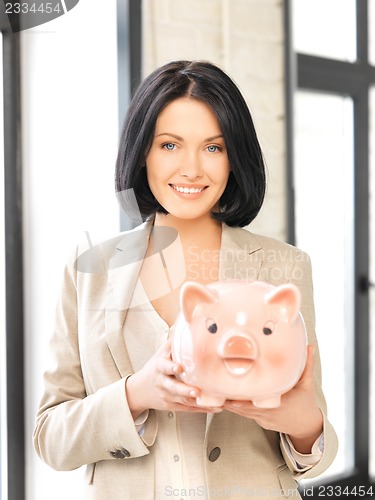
(193,294)
(287,299)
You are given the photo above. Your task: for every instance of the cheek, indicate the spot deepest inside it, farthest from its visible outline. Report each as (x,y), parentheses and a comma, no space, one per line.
(151,171)
(279,359)
(222,174)
(154,178)
(275,358)
(153,162)
(274,351)
(205,348)
(217,169)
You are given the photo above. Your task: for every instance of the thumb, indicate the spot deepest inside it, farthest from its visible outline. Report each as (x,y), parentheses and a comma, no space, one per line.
(308,372)
(165,349)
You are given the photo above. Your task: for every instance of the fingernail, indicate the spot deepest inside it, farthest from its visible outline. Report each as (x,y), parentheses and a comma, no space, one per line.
(193,394)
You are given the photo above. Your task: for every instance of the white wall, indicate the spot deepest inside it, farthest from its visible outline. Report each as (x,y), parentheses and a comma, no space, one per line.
(70,127)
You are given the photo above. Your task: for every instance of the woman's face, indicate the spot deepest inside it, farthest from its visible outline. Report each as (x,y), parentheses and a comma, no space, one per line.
(187,166)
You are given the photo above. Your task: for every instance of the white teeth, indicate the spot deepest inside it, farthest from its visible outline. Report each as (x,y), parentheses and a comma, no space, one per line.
(186,189)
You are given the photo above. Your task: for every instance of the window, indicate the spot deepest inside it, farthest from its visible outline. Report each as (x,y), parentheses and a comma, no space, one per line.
(70,138)
(330,77)
(325,29)
(58,151)
(324,187)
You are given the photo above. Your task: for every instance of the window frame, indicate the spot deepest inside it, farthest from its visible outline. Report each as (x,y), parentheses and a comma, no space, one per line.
(314,73)
(129,44)
(14,277)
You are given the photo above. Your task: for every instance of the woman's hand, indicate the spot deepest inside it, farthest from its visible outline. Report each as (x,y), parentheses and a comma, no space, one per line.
(298,414)
(156,386)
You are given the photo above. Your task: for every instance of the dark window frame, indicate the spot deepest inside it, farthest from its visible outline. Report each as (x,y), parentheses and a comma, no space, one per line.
(13,263)
(129,45)
(352,79)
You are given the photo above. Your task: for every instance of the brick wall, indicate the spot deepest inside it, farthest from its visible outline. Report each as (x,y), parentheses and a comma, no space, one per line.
(245,38)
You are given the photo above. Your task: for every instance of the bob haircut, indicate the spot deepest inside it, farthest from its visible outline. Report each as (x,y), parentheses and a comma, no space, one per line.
(245,190)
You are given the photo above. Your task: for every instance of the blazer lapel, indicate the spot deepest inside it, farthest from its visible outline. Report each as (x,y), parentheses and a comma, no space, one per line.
(123,270)
(240,254)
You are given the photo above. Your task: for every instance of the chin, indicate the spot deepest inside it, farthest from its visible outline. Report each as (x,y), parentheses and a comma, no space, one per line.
(191,213)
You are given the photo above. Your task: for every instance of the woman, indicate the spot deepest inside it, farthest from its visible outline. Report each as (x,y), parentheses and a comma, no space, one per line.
(112,399)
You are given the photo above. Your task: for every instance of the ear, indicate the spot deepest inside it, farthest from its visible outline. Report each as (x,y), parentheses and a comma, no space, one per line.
(287,299)
(191,295)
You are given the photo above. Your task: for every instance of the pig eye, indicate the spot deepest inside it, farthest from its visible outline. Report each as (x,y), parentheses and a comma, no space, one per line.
(211,326)
(268,328)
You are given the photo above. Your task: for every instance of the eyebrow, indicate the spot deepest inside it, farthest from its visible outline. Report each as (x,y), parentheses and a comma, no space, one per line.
(181,138)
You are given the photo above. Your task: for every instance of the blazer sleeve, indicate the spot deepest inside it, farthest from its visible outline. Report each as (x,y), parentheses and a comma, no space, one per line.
(301,275)
(73,428)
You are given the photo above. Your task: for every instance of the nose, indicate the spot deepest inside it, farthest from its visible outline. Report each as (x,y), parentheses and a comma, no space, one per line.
(238,346)
(191,167)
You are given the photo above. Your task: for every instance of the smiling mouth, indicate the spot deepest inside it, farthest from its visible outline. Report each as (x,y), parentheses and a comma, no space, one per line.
(187,190)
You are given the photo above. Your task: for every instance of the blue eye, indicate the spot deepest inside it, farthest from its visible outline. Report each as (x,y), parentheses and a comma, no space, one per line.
(169,146)
(213,149)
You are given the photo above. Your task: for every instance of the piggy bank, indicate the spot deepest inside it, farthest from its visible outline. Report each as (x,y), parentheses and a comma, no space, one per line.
(240,340)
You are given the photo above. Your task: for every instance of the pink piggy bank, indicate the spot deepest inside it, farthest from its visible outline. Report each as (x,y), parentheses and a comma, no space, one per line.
(240,340)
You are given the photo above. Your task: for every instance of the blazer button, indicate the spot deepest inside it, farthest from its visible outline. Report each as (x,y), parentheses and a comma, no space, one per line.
(122,453)
(215,454)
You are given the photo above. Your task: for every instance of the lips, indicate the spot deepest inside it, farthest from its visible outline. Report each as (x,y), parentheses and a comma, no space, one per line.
(188,190)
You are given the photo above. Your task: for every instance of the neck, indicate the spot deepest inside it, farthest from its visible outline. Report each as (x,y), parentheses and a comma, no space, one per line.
(199,229)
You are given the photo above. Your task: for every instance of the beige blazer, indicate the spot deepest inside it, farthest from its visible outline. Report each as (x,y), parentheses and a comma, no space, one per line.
(84,417)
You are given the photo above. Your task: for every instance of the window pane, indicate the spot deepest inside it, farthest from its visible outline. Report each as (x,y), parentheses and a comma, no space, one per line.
(372,279)
(3,434)
(324,228)
(326,29)
(67,188)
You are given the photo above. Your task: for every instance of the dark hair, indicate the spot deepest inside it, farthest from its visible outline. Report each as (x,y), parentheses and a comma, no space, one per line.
(244,193)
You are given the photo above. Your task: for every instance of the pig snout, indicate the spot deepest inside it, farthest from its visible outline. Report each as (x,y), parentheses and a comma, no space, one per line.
(238,353)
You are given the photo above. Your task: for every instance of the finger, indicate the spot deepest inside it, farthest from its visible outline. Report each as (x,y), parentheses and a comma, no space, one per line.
(169,367)
(193,402)
(233,404)
(239,404)
(194,409)
(241,407)
(179,389)
(165,362)
(308,372)
(165,349)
